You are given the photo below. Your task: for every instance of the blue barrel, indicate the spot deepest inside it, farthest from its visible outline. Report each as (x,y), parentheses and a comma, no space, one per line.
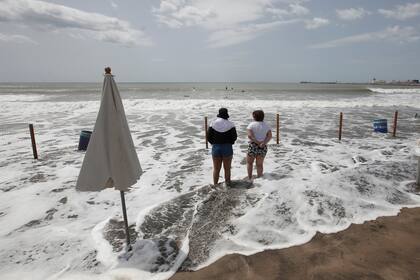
(380,125)
(84,140)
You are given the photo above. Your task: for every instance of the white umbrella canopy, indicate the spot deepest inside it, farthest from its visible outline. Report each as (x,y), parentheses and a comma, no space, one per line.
(111,160)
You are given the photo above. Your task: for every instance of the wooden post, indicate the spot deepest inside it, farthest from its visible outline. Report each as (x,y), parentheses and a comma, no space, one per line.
(418,172)
(394,130)
(278,129)
(418,163)
(341,126)
(31,131)
(127,231)
(205,128)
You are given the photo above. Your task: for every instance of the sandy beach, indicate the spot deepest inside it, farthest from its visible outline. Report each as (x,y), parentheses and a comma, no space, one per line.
(387,248)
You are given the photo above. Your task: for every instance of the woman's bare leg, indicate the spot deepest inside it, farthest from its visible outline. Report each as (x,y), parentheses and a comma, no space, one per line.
(227,163)
(217,165)
(249,165)
(260,165)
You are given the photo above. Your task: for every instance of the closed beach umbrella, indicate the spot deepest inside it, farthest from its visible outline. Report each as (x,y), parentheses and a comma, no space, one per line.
(111,160)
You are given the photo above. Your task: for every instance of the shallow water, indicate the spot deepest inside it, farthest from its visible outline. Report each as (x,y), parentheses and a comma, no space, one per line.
(312,181)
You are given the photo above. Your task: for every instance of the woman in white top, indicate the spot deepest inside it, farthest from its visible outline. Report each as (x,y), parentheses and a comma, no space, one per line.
(259,134)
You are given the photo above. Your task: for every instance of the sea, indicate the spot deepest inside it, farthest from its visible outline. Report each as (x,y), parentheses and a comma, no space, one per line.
(313,182)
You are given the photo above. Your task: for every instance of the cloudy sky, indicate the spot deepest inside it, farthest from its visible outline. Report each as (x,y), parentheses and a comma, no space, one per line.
(209,40)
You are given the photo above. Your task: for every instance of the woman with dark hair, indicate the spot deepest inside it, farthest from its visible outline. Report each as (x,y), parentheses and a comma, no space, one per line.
(259,134)
(222,135)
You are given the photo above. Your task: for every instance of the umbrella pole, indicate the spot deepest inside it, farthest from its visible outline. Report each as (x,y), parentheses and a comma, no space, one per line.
(127,232)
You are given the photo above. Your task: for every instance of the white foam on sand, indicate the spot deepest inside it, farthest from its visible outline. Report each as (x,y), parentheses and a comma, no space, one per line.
(312,182)
(21,98)
(318,199)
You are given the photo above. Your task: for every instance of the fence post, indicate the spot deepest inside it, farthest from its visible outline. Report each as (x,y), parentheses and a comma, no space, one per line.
(278,129)
(418,171)
(394,131)
(341,126)
(31,131)
(205,129)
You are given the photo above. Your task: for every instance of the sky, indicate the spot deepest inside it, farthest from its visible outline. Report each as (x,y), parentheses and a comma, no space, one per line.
(209,40)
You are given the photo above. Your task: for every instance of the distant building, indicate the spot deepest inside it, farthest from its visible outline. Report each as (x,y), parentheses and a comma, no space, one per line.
(375,81)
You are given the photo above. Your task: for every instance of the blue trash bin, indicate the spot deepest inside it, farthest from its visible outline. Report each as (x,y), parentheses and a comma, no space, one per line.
(380,125)
(84,140)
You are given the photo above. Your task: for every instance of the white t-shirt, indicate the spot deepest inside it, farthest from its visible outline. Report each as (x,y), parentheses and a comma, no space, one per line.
(260,130)
(221,125)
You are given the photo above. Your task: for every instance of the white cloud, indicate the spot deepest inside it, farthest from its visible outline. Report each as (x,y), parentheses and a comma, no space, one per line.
(402,12)
(233,36)
(210,14)
(16,38)
(293,9)
(230,22)
(352,13)
(49,16)
(113,4)
(393,34)
(298,10)
(316,23)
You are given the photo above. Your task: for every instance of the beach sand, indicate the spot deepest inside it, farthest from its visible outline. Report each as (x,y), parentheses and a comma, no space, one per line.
(387,248)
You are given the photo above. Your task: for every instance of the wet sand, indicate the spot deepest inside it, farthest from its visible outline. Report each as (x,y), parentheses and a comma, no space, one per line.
(387,248)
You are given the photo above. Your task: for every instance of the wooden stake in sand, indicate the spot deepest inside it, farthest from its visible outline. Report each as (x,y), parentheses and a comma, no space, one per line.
(31,131)
(278,129)
(341,126)
(418,162)
(205,131)
(394,130)
(418,171)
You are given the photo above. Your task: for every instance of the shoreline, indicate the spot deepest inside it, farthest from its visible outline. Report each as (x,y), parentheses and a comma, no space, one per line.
(367,84)
(385,248)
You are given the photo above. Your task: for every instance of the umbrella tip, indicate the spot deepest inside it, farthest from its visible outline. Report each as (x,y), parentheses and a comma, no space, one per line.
(107,70)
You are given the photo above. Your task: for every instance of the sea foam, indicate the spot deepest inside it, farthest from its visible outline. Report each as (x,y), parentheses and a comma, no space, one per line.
(312,183)
(395,90)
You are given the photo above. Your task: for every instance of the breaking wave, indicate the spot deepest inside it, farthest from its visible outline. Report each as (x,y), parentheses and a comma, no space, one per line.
(395,90)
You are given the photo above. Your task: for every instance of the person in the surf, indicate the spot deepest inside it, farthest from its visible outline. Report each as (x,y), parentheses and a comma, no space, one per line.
(259,134)
(222,135)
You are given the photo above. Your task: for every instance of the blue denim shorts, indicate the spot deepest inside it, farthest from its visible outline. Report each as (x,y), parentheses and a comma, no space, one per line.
(222,150)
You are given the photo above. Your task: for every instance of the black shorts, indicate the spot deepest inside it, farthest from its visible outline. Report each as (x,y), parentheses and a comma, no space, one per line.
(255,150)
